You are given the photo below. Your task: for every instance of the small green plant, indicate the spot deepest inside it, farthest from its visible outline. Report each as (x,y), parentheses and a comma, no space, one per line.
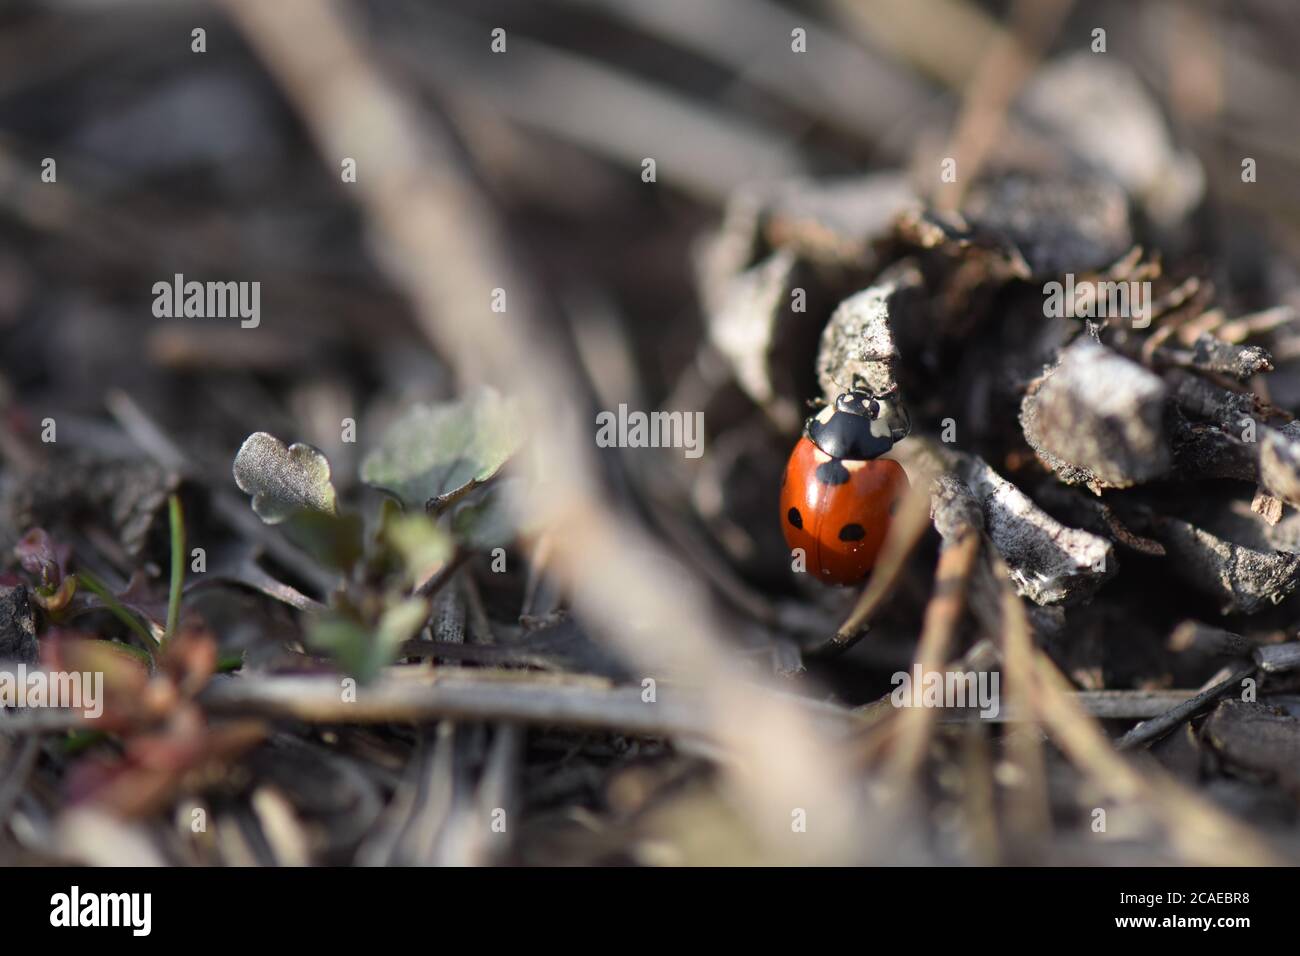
(439,467)
(63,595)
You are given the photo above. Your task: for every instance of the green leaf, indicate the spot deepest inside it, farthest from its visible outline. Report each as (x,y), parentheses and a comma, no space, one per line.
(335,540)
(486,520)
(400,623)
(435,453)
(356,650)
(342,639)
(283,480)
(100,589)
(420,544)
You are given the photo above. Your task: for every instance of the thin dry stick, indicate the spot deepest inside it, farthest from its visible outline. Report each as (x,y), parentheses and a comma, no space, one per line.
(988,96)
(1158,726)
(1046,696)
(904,535)
(443,249)
(942,615)
(878,720)
(1108,705)
(1031,817)
(482,693)
(980,796)
(940,38)
(1200,832)
(407,694)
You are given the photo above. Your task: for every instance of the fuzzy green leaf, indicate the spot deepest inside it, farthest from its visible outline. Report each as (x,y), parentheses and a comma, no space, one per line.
(356,650)
(335,540)
(435,453)
(486,519)
(420,545)
(283,480)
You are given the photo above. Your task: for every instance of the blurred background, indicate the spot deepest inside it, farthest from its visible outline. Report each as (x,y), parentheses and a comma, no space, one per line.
(209,164)
(151,135)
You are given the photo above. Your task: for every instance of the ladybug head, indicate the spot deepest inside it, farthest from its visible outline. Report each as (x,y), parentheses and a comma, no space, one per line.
(885,412)
(859,425)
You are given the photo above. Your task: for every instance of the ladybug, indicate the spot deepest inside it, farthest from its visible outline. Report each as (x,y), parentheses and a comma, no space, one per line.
(837,494)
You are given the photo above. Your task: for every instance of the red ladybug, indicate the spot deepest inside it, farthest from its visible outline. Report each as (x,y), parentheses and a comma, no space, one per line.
(837,494)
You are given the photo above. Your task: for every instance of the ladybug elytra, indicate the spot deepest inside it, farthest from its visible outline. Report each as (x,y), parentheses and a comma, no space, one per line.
(837,494)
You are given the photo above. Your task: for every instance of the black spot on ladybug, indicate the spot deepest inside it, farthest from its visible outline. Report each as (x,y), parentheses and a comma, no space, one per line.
(794,517)
(832,473)
(852,532)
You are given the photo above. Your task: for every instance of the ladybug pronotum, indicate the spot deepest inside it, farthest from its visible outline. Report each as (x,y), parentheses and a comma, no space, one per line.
(837,494)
